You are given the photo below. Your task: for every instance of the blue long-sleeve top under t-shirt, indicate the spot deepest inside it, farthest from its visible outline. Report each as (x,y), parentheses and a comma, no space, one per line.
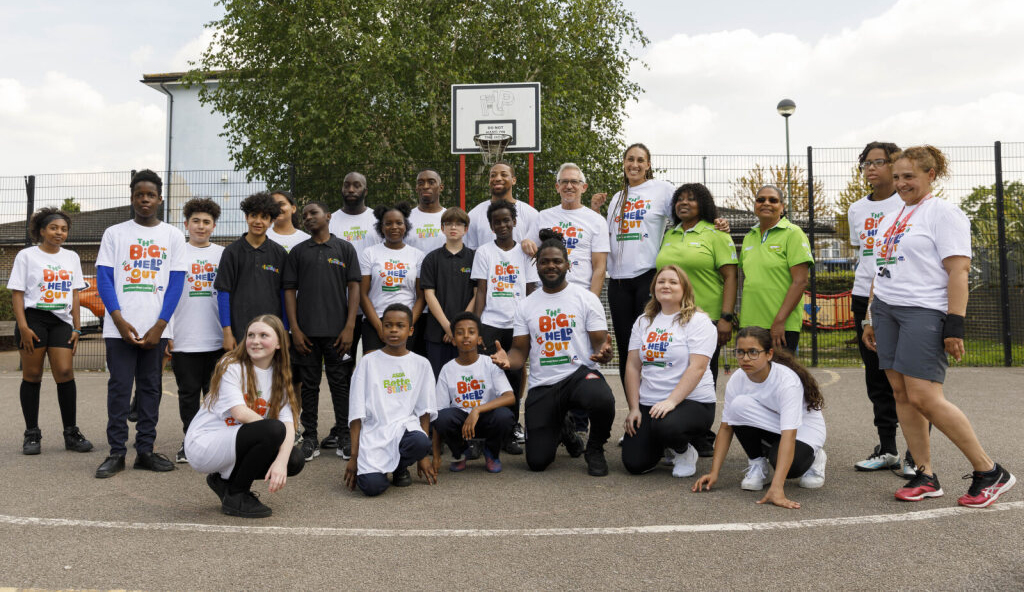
(108,294)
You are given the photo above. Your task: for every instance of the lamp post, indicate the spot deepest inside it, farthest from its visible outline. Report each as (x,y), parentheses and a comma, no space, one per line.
(786,107)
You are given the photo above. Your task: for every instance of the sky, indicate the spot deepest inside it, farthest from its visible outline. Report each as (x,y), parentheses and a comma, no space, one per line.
(946,72)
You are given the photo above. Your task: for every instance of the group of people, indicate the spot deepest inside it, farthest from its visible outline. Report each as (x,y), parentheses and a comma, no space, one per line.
(451,308)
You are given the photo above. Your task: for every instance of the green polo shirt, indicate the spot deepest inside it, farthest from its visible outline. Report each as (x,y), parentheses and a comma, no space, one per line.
(700,251)
(766,277)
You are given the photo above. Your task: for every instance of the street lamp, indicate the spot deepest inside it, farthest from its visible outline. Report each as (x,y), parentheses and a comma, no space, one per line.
(786,107)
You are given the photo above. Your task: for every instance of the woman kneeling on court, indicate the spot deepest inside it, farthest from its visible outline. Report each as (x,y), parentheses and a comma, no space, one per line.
(240,433)
(669,387)
(774,408)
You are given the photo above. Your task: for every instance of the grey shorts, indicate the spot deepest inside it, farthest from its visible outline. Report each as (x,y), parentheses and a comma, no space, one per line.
(909,340)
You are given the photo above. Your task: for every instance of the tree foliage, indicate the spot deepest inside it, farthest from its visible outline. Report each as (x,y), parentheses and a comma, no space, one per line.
(856,188)
(745,188)
(330,86)
(71,206)
(980,207)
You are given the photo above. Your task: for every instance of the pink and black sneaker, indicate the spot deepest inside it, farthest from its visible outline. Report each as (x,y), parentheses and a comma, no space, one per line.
(987,487)
(920,487)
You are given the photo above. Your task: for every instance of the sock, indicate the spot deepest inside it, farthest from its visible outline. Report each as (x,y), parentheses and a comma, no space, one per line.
(30,403)
(887,442)
(67,399)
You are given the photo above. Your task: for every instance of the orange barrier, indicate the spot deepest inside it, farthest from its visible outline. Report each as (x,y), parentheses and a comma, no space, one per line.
(833,311)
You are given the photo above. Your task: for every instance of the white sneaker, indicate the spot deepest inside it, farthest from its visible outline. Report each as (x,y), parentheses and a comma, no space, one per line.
(684,464)
(815,476)
(756,475)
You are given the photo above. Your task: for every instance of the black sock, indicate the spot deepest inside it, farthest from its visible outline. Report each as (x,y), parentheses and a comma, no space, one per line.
(887,443)
(30,403)
(67,399)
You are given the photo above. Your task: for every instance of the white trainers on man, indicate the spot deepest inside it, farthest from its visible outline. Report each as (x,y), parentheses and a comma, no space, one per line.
(815,476)
(756,475)
(684,464)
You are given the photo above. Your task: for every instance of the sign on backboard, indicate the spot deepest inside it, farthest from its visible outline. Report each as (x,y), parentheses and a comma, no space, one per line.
(508,108)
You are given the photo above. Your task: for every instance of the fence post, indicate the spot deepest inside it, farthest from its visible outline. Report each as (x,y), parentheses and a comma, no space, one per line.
(1004,277)
(131,210)
(30,205)
(813,274)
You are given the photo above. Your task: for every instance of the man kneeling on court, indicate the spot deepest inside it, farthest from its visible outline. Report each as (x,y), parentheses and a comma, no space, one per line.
(563,330)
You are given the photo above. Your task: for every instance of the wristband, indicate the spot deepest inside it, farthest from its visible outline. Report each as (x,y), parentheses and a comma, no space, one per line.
(865,323)
(729,317)
(953,327)
(79,331)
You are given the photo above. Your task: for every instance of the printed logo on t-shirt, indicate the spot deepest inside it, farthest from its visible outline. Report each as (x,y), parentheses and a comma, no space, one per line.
(200,279)
(393,274)
(353,234)
(556,329)
(270,268)
(868,236)
(571,235)
(654,349)
(465,269)
(890,239)
(259,406)
(336,261)
(503,282)
(632,219)
(428,231)
(143,266)
(55,289)
(470,391)
(398,383)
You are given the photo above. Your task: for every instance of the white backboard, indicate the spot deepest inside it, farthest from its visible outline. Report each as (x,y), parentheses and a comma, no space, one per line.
(506,108)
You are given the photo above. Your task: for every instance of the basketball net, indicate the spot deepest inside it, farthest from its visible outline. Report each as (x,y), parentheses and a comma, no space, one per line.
(492,146)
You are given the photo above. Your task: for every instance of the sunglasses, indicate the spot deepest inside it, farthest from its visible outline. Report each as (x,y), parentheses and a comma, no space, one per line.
(772,200)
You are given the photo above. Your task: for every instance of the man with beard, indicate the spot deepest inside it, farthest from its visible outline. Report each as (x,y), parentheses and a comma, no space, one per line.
(566,326)
(502,179)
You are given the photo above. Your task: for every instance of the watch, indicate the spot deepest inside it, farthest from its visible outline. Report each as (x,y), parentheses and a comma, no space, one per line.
(728,316)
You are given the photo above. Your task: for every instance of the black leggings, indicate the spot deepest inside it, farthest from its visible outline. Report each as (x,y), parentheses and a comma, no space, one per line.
(491,334)
(547,405)
(757,443)
(690,419)
(256,447)
(879,390)
(626,300)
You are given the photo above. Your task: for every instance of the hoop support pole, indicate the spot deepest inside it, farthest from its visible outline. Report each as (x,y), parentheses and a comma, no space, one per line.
(462,181)
(531,178)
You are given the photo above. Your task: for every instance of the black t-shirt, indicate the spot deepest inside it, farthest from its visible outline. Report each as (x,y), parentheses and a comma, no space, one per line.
(320,272)
(448,275)
(253,278)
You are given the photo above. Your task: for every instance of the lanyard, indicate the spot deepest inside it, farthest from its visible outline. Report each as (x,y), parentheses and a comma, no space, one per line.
(895,230)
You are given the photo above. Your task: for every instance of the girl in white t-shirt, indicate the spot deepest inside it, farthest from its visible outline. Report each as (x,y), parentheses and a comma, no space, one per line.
(774,408)
(284,231)
(391,271)
(44,285)
(669,387)
(245,429)
(917,317)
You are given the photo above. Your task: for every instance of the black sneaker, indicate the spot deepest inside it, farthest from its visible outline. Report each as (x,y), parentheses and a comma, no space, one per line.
(597,466)
(110,466)
(245,505)
(218,484)
(401,478)
(331,441)
(570,439)
(987,487)
(133,410)
(310,449)
(344,445)
(179,456)
(153,461)
(74,440)
(32,441)
(513,447)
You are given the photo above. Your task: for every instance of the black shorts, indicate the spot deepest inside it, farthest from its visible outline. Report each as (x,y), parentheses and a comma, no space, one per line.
(48,327)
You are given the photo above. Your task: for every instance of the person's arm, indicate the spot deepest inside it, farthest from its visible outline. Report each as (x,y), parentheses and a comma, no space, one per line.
(430,296)
(597,200)
(28,336)
(369,313)
(722,441)
(348,333)
(694,371)
(729,289)
(515,357)
(958,268)
(776,491)
(601,345)
(417,307)
(425,466)
(798,274)
(108,294)
(224,312)
(632,388)
(172,296)
(600,263)
(481,297)
(277,474)
(507,399)
(353,462)
(299,339)
(76,323)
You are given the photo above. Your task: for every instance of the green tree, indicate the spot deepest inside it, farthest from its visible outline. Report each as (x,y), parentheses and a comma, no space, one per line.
(71,206)
(856,188)
(980,207)
(329,86)
(745,188)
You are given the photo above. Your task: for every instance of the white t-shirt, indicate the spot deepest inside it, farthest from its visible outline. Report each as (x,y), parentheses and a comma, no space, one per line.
(480,232)
(196,319)
(287,240)
(584,233)
(48,281)
(865,217)
(143,258)
(935,231)
(636,234)
(389,394)
(665,349)
(426,230)
(775,405)
(393,274)
(558,326)
(465,387)
(358,230)
(507,274)
(210,441)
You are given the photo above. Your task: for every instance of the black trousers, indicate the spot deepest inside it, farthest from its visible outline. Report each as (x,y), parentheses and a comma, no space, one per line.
(192,372)
(256,447)
(494,427)
(757,443)
(491,334)
(547,405)
(688,421)
(439,354)
(323,357)
(879,389)
(128,364)
(626,300)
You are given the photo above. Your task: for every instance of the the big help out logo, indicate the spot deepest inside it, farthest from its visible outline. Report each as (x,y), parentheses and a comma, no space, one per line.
(654,348)
(393,274)
(55,289)
(143,267)
(892,237)
(469,391)
(869,236)
(257,404)
(556,329)
(631,220)
(200,278)
(503,282)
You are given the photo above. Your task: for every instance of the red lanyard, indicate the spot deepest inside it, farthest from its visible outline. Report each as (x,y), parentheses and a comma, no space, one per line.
(896,229)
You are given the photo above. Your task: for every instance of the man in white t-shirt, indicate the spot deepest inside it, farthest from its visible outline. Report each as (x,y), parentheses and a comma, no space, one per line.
(563,332)
(501,180)
(354,222)
(426,232)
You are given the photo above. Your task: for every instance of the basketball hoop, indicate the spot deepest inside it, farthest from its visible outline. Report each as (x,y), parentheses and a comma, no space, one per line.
(492,146)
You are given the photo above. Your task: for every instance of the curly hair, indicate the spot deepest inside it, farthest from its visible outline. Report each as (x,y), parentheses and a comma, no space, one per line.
(41,218)
(501,205)
(401,207)
(888,147)
(146,175)
(927,158)
(201,205)
(707,210)
(260,203)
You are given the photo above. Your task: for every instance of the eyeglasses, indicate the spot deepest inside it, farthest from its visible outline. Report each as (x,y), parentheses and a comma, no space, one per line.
(877,163)
(748,353)
(771,200)
(573,182)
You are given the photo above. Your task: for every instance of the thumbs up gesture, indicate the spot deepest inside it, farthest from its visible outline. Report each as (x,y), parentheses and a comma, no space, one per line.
(500,357)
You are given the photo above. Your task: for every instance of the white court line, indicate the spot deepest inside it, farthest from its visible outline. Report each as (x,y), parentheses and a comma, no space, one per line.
(526,532)
(833,378)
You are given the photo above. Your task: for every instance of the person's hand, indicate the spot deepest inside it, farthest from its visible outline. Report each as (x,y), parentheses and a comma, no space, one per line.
(722,224)
(704,483)
(662,408)
(954,347)
(529,247)
(724,331)
(168,350)
(778,332)
(379,327)
(778,498)
(344,341)
(29,339)
(447,328)
(302,343)
(598,200)
(229,341)
(500,357)
(75,336)
(469,426)
(633,420)
(437,463)
(604,355)
(350,473)
(152,337)
(869,338)
(128,332)
(277,475)
(425,469)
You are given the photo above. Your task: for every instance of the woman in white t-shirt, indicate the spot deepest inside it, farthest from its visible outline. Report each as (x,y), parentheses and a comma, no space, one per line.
(44,285)
(669,387)
(916,318)
(774,408)
(391,272)
(284,231)
(245,429)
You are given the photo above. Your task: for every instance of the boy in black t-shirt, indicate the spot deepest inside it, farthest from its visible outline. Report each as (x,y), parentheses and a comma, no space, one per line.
(447,287)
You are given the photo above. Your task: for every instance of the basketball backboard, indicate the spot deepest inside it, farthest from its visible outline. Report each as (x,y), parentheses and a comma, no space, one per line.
(506,108)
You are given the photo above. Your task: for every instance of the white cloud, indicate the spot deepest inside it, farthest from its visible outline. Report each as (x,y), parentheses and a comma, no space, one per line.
(191,52)
(142,55)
